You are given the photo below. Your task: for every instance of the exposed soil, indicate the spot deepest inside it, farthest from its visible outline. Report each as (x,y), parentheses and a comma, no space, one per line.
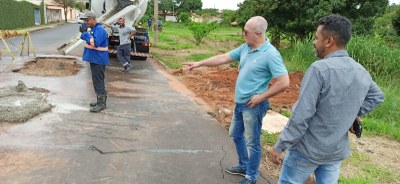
(216,86)
(50,67)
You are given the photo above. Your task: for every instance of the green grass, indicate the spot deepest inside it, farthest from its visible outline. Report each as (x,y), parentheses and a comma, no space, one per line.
(168,60)
(269,139)
(177,38)
(286,114)
(299,56)
(369,172)
(199,57)
(357,179)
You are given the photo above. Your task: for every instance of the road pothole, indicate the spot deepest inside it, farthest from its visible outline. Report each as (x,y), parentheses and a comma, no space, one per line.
(50,67)
(19,103)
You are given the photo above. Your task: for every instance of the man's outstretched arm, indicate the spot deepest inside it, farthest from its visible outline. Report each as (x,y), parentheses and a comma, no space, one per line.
(213,61)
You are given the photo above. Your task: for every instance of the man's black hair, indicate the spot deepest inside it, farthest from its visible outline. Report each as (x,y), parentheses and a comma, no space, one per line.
(337,26)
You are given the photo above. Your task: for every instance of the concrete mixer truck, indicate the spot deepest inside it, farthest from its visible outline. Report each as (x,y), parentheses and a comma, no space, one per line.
(109,11)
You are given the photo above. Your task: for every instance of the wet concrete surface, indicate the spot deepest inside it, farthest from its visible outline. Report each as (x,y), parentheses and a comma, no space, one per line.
(149,133)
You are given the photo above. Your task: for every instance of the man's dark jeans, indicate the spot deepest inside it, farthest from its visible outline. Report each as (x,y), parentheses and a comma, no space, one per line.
(124,53)
(98,78)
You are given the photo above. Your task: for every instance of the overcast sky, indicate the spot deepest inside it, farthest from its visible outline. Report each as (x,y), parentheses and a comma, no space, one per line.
(232,4)
(394,1)
(221,4)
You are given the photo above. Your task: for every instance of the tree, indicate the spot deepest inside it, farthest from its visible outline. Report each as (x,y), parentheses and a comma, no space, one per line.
(184,17)
(228,16)
(210,11)
(166,6)
(383,27)
(298,18)
(42,13)
(65,4)
(363,13)
(396,22)
(149,11)
(80,6)
(189,5)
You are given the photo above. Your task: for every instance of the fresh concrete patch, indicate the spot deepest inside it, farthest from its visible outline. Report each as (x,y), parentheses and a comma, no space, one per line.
(51,66)
(19,103)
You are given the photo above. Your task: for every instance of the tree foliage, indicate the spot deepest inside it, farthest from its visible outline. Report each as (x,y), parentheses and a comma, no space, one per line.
(166,6)
(228,16)
(149,11)
(298,18)
(209,11)
(201,30)
(184,17)
(65,4)
(80,6)
(396,21)
(189,5)
(383,27)
(362,13)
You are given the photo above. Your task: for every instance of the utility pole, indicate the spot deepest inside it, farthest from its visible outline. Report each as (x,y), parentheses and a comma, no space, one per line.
(155,22)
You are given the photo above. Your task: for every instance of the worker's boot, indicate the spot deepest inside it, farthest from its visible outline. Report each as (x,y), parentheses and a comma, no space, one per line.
(94,103)
(100,105)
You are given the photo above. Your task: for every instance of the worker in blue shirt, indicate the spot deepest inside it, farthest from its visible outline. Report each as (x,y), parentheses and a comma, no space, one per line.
(96,53)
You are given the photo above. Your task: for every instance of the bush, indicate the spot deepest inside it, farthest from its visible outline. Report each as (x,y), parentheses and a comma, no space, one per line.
(228,16)
(201,30)
(184,17)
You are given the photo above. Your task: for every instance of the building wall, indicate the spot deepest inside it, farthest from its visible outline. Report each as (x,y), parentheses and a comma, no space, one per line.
(16,14)
(53,7)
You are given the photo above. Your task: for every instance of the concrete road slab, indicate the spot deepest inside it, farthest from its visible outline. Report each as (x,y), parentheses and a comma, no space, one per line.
(149,133)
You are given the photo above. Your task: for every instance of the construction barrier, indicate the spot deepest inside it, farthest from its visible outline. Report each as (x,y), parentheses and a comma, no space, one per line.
(27,39)
(7,50)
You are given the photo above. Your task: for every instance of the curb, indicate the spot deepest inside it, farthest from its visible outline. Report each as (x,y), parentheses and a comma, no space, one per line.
(23,31)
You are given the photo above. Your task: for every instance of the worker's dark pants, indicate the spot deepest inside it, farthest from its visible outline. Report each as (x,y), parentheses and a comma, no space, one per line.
(124,54)
(98,78)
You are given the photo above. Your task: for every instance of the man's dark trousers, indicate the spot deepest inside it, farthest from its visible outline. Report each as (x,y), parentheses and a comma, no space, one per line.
(98,78)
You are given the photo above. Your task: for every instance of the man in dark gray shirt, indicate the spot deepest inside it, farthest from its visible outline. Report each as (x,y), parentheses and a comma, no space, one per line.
(335,91)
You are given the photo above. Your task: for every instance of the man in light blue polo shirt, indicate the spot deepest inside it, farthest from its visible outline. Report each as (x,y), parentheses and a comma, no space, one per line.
(259,62)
